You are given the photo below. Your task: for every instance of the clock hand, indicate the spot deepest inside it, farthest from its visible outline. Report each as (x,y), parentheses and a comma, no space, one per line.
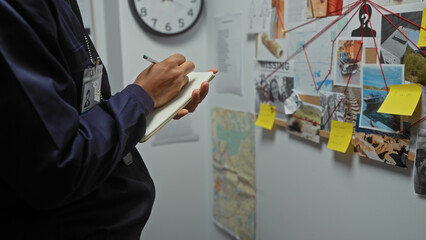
(181,4)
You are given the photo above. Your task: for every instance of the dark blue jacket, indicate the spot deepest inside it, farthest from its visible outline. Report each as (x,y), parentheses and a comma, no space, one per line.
(61,172)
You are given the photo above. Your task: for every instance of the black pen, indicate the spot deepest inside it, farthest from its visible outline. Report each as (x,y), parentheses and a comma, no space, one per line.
(151,60)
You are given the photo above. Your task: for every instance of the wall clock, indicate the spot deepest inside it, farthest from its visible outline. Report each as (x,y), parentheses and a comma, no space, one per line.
(166,17)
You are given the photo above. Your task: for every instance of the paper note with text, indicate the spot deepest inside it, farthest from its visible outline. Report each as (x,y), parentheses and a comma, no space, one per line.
(266,116)
(340,136)
(422,37)
(402,99)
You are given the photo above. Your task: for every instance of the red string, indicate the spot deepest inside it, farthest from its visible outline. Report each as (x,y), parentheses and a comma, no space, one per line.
(332,47)
(323,81)
(295,53)
(399,30)
(347,84)
(353,67)
(301,25)
(375,45)
(395,118)
(266,92)
(282,64)
(280,18)
(311,40)
(316,19)
(331,24)
(310,69)
(277,110)
(387,10)
(351,7)
(375,6)
(334,110)
(415,123)
(304,119)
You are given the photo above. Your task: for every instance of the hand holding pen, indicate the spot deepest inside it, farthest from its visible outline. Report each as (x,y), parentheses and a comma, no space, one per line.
(164,80)
(149,59)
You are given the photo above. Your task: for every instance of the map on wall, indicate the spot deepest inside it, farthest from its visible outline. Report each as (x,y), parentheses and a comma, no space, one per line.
(234,205)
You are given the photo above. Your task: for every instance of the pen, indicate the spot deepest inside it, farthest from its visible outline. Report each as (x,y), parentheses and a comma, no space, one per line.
(149,59)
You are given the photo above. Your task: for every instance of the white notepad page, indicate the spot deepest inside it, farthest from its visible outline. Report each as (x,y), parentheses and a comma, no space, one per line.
(161,116)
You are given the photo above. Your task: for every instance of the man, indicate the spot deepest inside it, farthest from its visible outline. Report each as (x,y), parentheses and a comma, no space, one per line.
(70,170)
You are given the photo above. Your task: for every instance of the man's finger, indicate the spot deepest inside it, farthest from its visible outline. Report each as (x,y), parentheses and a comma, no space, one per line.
(204,90)
(177,58)
(181,114)
(214,70)
(187,67)
(195,100)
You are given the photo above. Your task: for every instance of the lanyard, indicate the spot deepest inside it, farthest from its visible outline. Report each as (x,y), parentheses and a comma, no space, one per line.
(89,50)
(76,11)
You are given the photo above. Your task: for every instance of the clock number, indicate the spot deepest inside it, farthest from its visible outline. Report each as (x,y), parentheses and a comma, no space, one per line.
(181,23)
(152,17)
(143,12)
(191,12)
(154,21)
(168,27)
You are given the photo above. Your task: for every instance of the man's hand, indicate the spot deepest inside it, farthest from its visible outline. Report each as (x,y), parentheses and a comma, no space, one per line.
(164,80)
(197,97)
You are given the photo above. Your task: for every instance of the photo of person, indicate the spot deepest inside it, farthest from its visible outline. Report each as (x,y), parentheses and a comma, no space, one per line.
(88,97)
(364,17)
(269,91)
(273,89)
(286,87)
(329,103)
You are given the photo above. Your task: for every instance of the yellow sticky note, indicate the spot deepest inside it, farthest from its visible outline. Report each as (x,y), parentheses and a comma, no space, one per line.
(340,136)
(422,37)
(401,99)
(266,116)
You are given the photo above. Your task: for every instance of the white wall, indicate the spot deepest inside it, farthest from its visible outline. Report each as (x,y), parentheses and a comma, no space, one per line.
(178,170)
(304,190)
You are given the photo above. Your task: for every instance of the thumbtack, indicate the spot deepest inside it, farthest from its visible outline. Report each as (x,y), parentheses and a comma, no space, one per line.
(322,124)
(360,42)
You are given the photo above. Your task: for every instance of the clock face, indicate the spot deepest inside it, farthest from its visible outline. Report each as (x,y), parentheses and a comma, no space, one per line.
(166,17)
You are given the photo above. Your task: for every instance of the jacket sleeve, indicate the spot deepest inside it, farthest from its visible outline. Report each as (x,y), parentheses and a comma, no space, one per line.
(53,155)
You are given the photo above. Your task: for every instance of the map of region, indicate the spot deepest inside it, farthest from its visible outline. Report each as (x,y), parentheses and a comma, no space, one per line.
(234,207)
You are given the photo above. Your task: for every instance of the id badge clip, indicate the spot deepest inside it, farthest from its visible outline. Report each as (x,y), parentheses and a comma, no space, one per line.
(92,80)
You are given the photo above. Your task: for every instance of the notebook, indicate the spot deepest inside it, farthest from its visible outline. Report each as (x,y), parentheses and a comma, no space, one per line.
(161,116)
